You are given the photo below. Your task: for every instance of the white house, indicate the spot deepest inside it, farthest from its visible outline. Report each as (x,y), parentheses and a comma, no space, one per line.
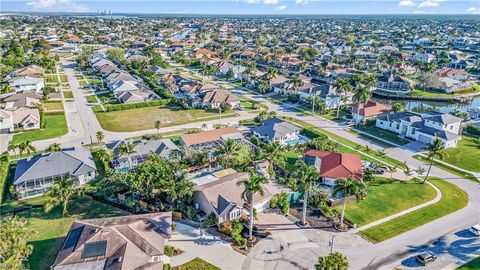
(277,130)
(6,121)
(27,83)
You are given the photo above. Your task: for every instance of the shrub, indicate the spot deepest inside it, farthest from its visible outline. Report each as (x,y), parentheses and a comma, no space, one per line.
(273,202)
(473,130)
(236,229)
(211,220)
(283,203)
(312,133)
(169,250)
(173,226)
(167,266)
(239,240)
(127,106)
(4,167)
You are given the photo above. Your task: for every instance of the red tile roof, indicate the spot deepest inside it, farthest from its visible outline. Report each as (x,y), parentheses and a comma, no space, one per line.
(337,165)
(372,108)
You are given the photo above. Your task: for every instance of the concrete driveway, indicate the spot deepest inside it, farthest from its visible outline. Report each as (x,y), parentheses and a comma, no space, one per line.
(275,222)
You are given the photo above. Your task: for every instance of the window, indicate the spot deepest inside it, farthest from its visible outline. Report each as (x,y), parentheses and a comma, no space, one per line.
(234,214)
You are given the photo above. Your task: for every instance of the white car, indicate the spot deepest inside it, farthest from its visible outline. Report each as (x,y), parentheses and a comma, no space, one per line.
(475,230)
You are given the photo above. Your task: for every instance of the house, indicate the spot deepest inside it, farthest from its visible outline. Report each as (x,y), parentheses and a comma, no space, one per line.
(27,83)
(205,53)
(394,83)
(126,242)
(34,175)
(222,198)
(25,118)
(134,96)
(22,100)
(209,140)
(333,166)
(456,74)
(423,127)
(449,85)
(369,110)
(277,130)
(164,148)
(6,122)
(32,70)
(213,99)
(422,58)
(278,83)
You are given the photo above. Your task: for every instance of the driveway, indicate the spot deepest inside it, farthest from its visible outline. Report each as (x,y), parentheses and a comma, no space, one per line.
(207,247)
(415,146)
(275,222)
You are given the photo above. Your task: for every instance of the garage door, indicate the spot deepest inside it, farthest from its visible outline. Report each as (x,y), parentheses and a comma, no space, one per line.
(424,139)
(262,205)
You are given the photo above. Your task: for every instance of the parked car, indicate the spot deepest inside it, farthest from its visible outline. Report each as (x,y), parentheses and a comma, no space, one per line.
(475,230)
(426,257)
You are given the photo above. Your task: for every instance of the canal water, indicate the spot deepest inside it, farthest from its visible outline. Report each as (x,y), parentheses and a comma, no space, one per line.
(443,107)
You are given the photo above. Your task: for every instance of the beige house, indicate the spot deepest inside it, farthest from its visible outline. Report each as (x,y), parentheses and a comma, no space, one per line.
(25,118)
(215,98)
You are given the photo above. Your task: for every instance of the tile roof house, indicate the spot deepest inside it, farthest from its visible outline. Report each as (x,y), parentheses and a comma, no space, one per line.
(25,118)
(22,100)
(34,175)
(333,166)
(32,70)
(369,110)
(213,99)
(394,83)
(209,140)
(223,197)
(125,243)
(277,130)
(456,74)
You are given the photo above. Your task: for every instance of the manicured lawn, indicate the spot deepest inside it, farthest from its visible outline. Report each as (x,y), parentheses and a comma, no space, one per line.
(292,157)
(385,199)
(83,83)
(51,78)
(453,199)
(472,265)
(52,106)
(56,126)
(457,172)
(63,78)
(91,99)
(466,155)
(67,94)
(421,93)
(386,135)
(50,228)
(196,264)
(145,118)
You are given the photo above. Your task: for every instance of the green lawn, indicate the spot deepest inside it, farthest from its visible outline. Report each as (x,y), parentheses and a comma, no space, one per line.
(453,199)
(442,166)
(52,106)
(292,157)
(472,265)
(56,125)
(386,135)
(91,99)
(51,78)
(145,118)
(50,228)
(67,94)
(196,264)
(466,155)
(63,78)
(385,199)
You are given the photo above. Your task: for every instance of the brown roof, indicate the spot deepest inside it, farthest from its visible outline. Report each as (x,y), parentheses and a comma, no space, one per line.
(207,136)
(220,96)
(29,70)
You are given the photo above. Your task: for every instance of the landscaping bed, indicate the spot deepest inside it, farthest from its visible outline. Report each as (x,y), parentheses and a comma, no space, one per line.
(196,264)
(315,218)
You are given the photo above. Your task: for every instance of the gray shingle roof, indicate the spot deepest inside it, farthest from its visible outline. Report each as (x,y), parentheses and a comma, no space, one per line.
(275,128)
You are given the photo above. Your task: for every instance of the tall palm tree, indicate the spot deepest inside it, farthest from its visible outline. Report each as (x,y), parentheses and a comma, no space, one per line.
(348,187)
(100,136)
(273,153)
(227,152)
(361,96)
(127,149)
(295,83)
(271,73)
(104,155)
(13,148)
(55,147)
(61,192)
(252,186)
(263,85)
(306,176)
(435,149)
(342,86)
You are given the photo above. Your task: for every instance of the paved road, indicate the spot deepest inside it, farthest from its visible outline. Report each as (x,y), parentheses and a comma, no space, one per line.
(395,251)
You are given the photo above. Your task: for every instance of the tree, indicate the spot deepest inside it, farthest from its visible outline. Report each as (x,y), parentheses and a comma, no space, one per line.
(342,86)
(46,91)
(6,88)
(100,136)
(13,148)
(227,152)
(271,73)
(435,149)
(127,149)
(14,249)
(407,171)
(225,107)
(252,186)
(230,74)
(61,192)
(54,147)
(348,187)
(116,54)
(398,107)
(361,96)
(26,146)
(158,124)
(104,155)
(273,154)
(334,261)
(307,177)
(391,170)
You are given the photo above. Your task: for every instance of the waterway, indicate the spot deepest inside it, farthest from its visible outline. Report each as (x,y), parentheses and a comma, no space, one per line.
(443,107)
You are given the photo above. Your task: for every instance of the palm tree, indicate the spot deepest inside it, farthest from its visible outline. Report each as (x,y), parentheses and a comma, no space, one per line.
(28,147)
(392,169)
(307,176)
(273,153)
(263,85)
(295,83)
(271,73)
(348,187)
(434,150)
(61,192)
(343,87)
(55,147)
(336,261)
(127,149)
(100,136)
(252,186)
(13,148)
(227,151)
(361,96)
(158,124)
(104,155)
(407,171)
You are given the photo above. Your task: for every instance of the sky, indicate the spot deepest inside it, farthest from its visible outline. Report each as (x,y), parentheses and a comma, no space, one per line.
(248,6)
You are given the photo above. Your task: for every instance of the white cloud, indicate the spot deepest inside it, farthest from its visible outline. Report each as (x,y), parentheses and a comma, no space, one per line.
(270,2)
(302,2)
(57,5)
(473,9)
(283,7)
(407,3)
(429,3)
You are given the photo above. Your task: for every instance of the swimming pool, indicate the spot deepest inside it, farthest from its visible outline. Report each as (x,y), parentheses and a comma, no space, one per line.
(300,140)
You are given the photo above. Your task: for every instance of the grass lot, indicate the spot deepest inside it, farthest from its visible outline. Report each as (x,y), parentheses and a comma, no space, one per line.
(386,135)
(196,264)
(56,125)
(145,118)
(67,94)
(91,99)
(292,157)
(170,134)
(472,265)
(461,174)
(63,78)
(51,78)
(52,106)
(453,199)
(385,199)
(466,154)
(83,83)
(421,93)
(52,227)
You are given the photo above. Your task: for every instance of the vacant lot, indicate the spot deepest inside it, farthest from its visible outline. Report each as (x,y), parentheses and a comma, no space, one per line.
(67,94)
(56,126)
(466,154)
(52,106)
(145,118)
(453,199)
(385,199)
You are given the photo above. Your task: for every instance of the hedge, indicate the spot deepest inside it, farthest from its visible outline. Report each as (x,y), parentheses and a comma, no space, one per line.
(473,130)
(4,168)
(312,133)
(127,106)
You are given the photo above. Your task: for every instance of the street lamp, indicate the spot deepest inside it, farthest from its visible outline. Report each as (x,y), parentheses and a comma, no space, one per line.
(330,243)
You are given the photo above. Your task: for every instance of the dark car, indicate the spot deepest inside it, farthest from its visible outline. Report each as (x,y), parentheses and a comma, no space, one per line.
(426,257)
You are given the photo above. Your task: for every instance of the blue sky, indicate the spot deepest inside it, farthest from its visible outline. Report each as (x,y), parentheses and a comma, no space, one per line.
(250,6)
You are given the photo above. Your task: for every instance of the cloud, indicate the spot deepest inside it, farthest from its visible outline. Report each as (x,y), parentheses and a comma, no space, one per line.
(302,2)
(407,3)
(429,3)
(283,7)
(266,2)
(473,9)
(57,5)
